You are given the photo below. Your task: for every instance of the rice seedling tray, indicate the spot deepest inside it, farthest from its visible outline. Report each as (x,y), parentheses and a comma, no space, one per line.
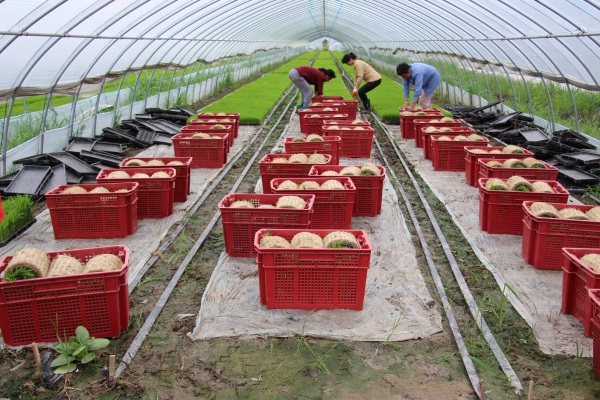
(577,176)
(197,126)
(312,122)
(240,224)
(309,278)
(356,141)
(94,215)
(578,279)
(78,166)
(543,238)
(29,180)
(36,310)
(472,160)
(501,211)
(449,155)
(456,130)
(330,145)
(549,173)
(234,117)
(369,189)
(421,124)
(205,153)
(332,207)
(407,123)
(182,173)
(270,170)
(155,195)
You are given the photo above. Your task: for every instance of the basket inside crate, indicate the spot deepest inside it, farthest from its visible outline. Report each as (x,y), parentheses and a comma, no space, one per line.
(501,211)
(313,122)
(201,127)
(94,215)
(472,158)
(234,117)
(270,170)
(420,124)
(449,155)
(356,141)
(315,278)
(369,189)
(455,131)
(578,279)
(35,310)
(329,145)
(205,153)
(182,172)
(333,207)
(155,195)
(240,224)
(549,173)
(407,125)
(543,238)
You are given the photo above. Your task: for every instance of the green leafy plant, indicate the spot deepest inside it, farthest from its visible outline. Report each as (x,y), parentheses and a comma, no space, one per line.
(18,212)
(19,274)
(77,350)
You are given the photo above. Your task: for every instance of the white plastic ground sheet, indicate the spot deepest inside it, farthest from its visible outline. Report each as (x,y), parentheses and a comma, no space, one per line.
(539,292)
(397,304)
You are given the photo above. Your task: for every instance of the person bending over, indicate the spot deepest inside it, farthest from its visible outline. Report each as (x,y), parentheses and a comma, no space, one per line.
(425,80)
(362,72)
(305,76)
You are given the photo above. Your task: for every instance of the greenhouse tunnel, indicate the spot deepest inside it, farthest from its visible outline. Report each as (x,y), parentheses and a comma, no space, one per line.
(71,68)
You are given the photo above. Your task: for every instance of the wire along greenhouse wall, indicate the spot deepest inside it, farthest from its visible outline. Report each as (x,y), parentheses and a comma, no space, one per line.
(561,106)
(50,130)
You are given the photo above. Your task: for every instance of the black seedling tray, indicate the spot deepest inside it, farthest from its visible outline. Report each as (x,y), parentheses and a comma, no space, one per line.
(108,147)
(584,157)
(29,180)
(161,138)
(78,144)
(576,176)
(40,159)
(72,177)
(58,176)
(106,158)
(146,136)
(533,135)
(505,119)
(78,166)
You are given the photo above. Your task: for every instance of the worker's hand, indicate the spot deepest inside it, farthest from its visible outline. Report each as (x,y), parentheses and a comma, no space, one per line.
(406,107)
(354,92)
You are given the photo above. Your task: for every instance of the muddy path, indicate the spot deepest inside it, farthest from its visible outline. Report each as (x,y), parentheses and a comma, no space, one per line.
(169,365)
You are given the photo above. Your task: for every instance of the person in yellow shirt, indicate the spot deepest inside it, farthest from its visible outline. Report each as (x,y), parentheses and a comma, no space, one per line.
(362,72)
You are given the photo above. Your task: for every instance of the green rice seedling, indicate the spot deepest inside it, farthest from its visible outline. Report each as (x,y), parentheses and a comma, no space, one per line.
(18,274)
(18,212)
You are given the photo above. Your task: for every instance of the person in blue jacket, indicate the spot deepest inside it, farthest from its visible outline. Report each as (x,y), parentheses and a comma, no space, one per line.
(424,78)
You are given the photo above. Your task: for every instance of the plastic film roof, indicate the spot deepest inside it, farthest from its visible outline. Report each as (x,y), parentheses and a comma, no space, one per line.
(53,46)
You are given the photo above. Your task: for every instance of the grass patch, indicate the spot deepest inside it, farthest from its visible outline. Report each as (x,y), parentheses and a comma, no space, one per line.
(18,212)
(253,101)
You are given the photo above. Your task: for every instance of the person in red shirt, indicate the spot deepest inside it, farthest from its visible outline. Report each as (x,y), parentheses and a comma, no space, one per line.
(303,77)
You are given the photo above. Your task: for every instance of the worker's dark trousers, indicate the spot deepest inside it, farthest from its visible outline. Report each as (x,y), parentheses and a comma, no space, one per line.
(367,87)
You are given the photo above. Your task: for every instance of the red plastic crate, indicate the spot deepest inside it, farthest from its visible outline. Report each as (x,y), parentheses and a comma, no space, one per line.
(333,208)
(326,98)
(472,165)
(35,310)
(312,279)
(330,145)
(421,124)
(578,278)
(356,143)
(543,238)
(270,170)
(349,107)
(456,130)
(449,155)
(94,215)
(550,173)
(369,190)
(182,173)
(234,117)
(205,153)
(202,127)
(596,347)
(240,224)
(501,211)
(311,122)
(155,195)
(407,126)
